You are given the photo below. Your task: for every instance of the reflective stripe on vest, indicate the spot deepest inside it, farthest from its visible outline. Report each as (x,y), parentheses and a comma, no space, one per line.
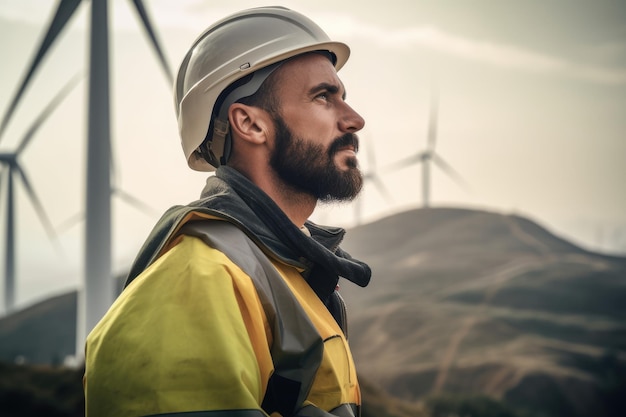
(297,348)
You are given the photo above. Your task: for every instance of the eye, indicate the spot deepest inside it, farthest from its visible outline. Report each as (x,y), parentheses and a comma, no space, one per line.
(323,95)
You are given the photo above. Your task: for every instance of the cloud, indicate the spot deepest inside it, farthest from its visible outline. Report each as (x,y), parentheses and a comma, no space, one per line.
(187,14)
(488,52)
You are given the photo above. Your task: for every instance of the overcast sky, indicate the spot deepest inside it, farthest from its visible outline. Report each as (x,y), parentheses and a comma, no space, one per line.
(532,114)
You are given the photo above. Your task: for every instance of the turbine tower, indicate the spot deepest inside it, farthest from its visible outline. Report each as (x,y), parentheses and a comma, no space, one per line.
(10,159)
(429,155)
(98,291)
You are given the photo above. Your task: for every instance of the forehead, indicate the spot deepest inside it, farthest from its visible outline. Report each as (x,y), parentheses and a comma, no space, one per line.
(300,74)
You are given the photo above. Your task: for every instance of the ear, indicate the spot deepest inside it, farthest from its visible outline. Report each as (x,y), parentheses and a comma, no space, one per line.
(249,123)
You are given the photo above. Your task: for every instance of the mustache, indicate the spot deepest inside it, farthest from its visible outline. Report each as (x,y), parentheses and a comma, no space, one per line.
(349,139)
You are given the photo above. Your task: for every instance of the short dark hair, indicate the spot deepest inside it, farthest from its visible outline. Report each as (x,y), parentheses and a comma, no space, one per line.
(265,97)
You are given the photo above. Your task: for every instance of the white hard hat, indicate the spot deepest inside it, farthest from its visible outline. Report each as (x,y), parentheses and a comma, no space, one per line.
(231,49)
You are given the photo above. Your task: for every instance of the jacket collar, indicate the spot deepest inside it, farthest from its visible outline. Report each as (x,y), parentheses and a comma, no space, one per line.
(231,196)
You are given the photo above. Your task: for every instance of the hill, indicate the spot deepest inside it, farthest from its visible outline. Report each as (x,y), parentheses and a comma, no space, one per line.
(466,301)
(44,333)
(462,302)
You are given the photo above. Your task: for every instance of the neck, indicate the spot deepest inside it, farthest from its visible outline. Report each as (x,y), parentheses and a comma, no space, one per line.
(297,205)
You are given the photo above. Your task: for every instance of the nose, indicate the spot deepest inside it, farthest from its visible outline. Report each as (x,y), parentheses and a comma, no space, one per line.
(351,121)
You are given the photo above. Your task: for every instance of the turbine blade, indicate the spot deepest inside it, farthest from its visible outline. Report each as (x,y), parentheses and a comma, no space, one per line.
(381,187)
(414,159)
(141,11)
(64,12)
(38,207)
(433,119)
(47,111)
(135,202)
(447,168)
(71,222)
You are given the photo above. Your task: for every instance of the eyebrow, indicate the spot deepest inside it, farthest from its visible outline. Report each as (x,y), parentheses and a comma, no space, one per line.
(331,88)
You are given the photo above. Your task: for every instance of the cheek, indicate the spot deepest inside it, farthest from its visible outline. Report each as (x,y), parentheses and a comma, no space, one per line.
(312,123)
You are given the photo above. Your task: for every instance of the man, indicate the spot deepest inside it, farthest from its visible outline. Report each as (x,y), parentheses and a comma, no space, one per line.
(231,307)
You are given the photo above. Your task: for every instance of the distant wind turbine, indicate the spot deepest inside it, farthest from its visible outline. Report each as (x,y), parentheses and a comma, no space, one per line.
(429,155)
(10,160)
(370,174)
(118,192)
(99,283)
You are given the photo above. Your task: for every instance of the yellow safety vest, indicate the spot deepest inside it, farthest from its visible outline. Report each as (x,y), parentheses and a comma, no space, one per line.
(207,326)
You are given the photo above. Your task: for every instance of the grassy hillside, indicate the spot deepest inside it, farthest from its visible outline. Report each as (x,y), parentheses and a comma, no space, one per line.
(471,302)
(44,333)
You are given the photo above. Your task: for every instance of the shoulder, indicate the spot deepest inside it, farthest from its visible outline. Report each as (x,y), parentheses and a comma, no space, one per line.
(186,257)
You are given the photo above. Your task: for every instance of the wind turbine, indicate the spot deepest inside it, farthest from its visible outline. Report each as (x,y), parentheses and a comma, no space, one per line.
(370,175)
(11,161)
(429,155)
(99,284)
(116,191)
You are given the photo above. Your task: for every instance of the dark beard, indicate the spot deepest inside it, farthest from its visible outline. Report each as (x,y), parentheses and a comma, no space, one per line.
(309,168)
